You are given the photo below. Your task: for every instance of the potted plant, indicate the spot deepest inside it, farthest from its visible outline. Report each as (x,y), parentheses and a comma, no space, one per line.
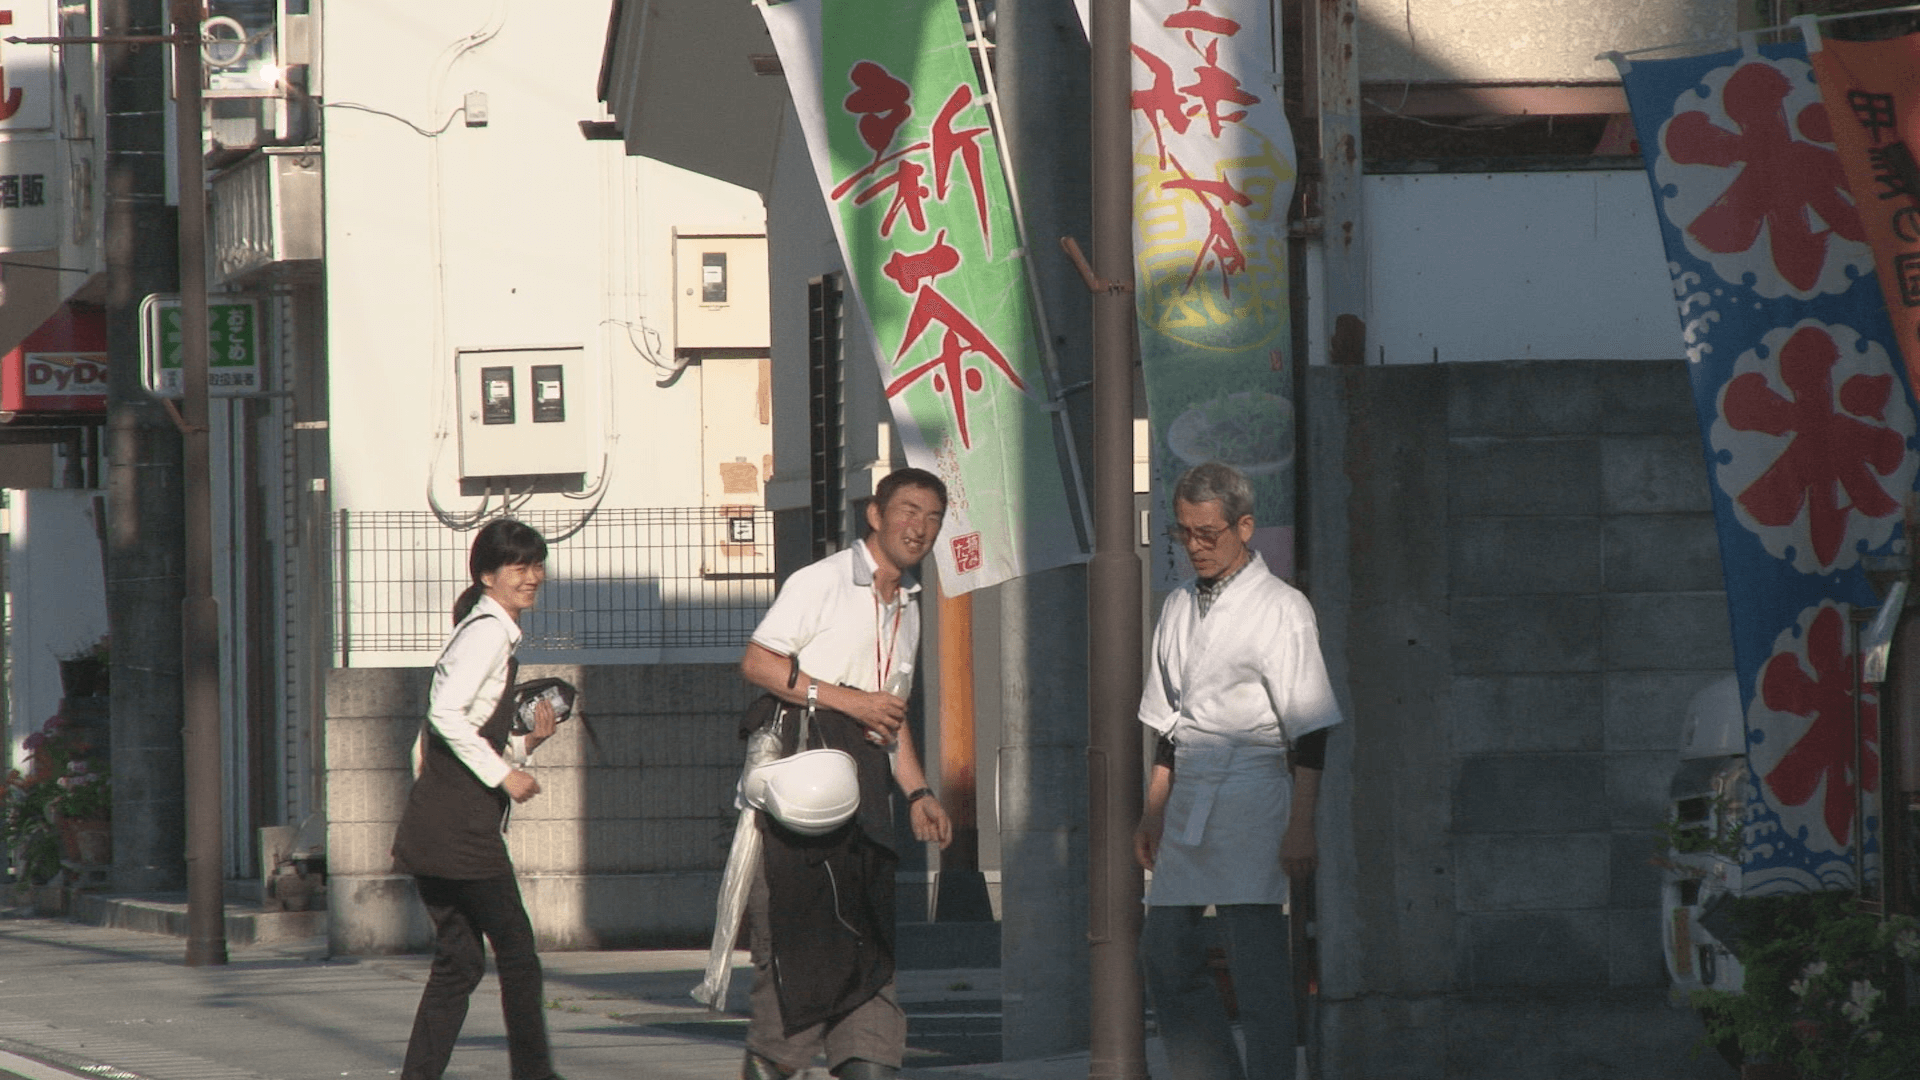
(82,810)
(86,674)
(1826,991)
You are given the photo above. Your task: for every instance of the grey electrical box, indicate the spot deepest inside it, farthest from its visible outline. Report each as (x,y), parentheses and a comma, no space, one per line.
(514,419)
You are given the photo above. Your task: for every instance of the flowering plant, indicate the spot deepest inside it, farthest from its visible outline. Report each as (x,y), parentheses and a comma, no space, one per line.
(1825,989)
(85,794)
(61,782)
(26,834)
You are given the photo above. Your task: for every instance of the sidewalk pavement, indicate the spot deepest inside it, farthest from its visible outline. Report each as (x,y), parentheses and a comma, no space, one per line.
(94,1001)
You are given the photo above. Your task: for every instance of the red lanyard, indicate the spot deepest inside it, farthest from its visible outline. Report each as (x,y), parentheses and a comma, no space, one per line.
(883,666)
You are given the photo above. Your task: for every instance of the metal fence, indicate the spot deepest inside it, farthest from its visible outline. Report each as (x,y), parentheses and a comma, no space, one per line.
(623,579)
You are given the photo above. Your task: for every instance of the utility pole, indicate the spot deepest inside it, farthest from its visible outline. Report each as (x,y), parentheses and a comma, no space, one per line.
(143,477)
(1114,881)
(199,611)
(1041,71)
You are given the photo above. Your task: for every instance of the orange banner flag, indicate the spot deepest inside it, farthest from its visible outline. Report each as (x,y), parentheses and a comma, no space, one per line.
(1872,92)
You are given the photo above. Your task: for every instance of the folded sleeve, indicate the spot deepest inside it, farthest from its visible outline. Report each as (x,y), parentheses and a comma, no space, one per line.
(793,620)
(1296,677)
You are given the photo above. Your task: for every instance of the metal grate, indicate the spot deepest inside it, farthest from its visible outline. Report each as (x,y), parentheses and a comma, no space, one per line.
(625,579)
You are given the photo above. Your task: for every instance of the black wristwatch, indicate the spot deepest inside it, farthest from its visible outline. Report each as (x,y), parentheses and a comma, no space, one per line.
(917,794)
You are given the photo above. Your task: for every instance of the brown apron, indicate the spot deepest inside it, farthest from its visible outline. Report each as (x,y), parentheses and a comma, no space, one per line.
(454,825)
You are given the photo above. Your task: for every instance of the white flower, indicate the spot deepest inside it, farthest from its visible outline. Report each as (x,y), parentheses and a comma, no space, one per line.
(1906,944)
(1814,970)
(1860,1001)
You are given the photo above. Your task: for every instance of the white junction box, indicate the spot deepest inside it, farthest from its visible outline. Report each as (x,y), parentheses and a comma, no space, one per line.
(719,290)
(526,411)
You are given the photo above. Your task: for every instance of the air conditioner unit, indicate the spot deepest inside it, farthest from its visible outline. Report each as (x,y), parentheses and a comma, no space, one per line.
(265,215)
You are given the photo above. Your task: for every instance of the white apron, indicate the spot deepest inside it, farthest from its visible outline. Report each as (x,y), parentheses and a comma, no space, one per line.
(1225,818)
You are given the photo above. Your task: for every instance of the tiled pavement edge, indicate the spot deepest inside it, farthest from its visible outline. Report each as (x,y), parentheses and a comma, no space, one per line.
(106,1056)
(82,997)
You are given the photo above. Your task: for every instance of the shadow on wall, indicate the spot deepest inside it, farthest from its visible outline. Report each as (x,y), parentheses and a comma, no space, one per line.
(624,845)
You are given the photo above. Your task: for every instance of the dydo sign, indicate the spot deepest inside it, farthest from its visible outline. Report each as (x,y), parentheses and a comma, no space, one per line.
(61,381)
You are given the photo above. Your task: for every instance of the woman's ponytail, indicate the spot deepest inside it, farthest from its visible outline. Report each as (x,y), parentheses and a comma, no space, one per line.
(463,607)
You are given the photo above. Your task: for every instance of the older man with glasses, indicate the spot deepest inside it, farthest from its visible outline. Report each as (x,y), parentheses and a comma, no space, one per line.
(1239,695)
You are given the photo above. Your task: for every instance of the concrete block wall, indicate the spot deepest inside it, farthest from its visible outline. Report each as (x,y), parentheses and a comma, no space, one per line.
(625,843)
(1524,565)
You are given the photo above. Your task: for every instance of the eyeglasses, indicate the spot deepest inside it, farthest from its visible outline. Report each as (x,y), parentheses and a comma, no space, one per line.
(1206,538)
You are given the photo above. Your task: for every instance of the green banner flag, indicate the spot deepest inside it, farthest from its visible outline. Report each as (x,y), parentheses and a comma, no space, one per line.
(1213,173)
(904,151)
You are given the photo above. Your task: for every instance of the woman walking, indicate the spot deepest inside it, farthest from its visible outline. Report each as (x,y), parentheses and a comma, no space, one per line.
(451,837)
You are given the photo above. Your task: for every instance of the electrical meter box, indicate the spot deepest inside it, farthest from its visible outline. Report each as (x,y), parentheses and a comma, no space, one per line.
(719,290)
(516,418)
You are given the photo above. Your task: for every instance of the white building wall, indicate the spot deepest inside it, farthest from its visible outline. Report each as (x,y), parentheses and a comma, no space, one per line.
(58,597)
(1514,266)
(516,233)
(442,236)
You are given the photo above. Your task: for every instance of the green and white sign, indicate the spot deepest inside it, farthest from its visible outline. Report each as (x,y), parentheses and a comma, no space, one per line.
(233,347)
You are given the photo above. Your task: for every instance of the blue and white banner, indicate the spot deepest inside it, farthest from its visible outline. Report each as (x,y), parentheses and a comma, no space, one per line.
(1807,422)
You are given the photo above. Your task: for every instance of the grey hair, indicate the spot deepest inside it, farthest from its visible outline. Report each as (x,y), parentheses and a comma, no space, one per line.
(1215,482)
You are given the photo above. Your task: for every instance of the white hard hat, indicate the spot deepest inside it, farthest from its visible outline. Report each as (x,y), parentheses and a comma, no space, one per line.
(813,792)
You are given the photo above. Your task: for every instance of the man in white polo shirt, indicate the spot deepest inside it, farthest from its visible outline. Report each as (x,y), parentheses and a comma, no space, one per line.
(841,636)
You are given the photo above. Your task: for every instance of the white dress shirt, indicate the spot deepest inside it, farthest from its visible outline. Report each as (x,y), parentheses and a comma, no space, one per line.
(1232,689)
(468,680)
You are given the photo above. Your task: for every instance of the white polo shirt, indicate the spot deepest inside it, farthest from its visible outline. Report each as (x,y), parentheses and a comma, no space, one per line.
(831,617)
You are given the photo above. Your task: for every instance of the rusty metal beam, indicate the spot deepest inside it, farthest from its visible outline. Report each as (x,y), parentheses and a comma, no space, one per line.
(1492,99)
(1331,56)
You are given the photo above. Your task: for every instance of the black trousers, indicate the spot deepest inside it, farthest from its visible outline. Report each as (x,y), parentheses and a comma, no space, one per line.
(463,911)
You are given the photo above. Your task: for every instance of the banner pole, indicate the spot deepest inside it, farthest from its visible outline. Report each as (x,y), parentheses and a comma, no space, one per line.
(1056,392)
(1116,1025)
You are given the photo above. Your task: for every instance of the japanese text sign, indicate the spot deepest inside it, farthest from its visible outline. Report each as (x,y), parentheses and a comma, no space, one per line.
(233,347)
(1213,174)
(31,167)
(26,71)
(901,144)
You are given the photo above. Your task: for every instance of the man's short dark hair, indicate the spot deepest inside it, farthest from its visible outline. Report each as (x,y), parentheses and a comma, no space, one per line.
(908,477)
(1215,482)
